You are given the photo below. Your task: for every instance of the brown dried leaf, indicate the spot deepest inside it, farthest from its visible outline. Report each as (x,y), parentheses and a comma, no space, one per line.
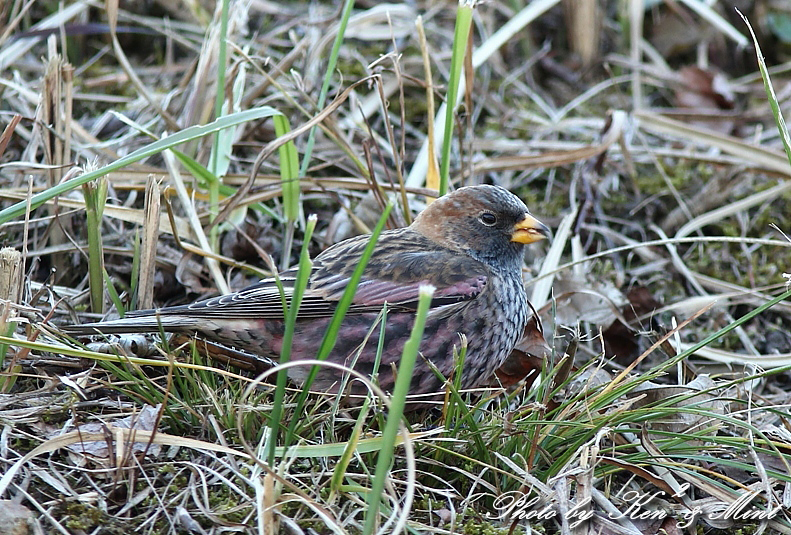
(621,339)
(526,360)
(703,88)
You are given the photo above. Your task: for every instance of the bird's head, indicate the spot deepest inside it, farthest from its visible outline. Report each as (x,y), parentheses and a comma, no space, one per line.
(488,222)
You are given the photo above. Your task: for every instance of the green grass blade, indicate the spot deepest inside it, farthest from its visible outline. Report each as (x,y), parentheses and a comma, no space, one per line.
(770,92)
(330,336)
(7,381)
(400,392)
(220,147)
(339,472)
(325,86)
(289,179)
(460,38)
(303,276)
(134,278)
(348,295)
(151,149)
(289,170)
(220,94)
(728,328)
(95,195)
(206,177)
(113,293)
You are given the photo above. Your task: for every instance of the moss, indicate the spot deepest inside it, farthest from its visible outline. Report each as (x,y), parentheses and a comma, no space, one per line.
(294,511)
(167,469)
(54,416)
(740,264)
(351,69)
(428,504)
(476,527)
(760,268)
(84,517)
(533,197)
(227,503)
(684,175)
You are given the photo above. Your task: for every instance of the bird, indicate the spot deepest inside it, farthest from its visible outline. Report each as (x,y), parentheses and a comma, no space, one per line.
(467,244)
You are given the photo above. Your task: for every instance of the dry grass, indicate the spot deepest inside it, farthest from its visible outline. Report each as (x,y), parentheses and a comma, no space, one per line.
(667,187)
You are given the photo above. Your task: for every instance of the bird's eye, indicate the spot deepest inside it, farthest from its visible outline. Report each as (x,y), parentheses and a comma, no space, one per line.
(488,219)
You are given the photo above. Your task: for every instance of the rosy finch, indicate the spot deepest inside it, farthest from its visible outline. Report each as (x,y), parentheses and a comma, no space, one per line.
(468,244)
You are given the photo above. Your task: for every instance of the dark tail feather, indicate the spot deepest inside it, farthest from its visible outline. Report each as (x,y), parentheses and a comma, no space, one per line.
(138,324)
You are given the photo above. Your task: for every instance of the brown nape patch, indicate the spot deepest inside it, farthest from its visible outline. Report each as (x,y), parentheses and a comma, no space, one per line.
(433,222)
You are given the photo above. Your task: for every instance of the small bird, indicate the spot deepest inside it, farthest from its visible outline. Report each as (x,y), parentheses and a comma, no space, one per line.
(467,244)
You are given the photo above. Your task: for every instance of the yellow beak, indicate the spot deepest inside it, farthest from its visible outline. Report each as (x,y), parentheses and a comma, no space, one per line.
(529,230)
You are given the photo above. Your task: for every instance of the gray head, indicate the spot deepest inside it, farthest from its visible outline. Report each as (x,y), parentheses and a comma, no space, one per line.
(488,222)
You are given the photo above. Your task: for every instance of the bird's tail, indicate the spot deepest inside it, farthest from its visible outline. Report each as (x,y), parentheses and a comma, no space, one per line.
(148,323)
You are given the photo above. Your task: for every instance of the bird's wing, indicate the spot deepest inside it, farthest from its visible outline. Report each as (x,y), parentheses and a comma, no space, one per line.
(391,276)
